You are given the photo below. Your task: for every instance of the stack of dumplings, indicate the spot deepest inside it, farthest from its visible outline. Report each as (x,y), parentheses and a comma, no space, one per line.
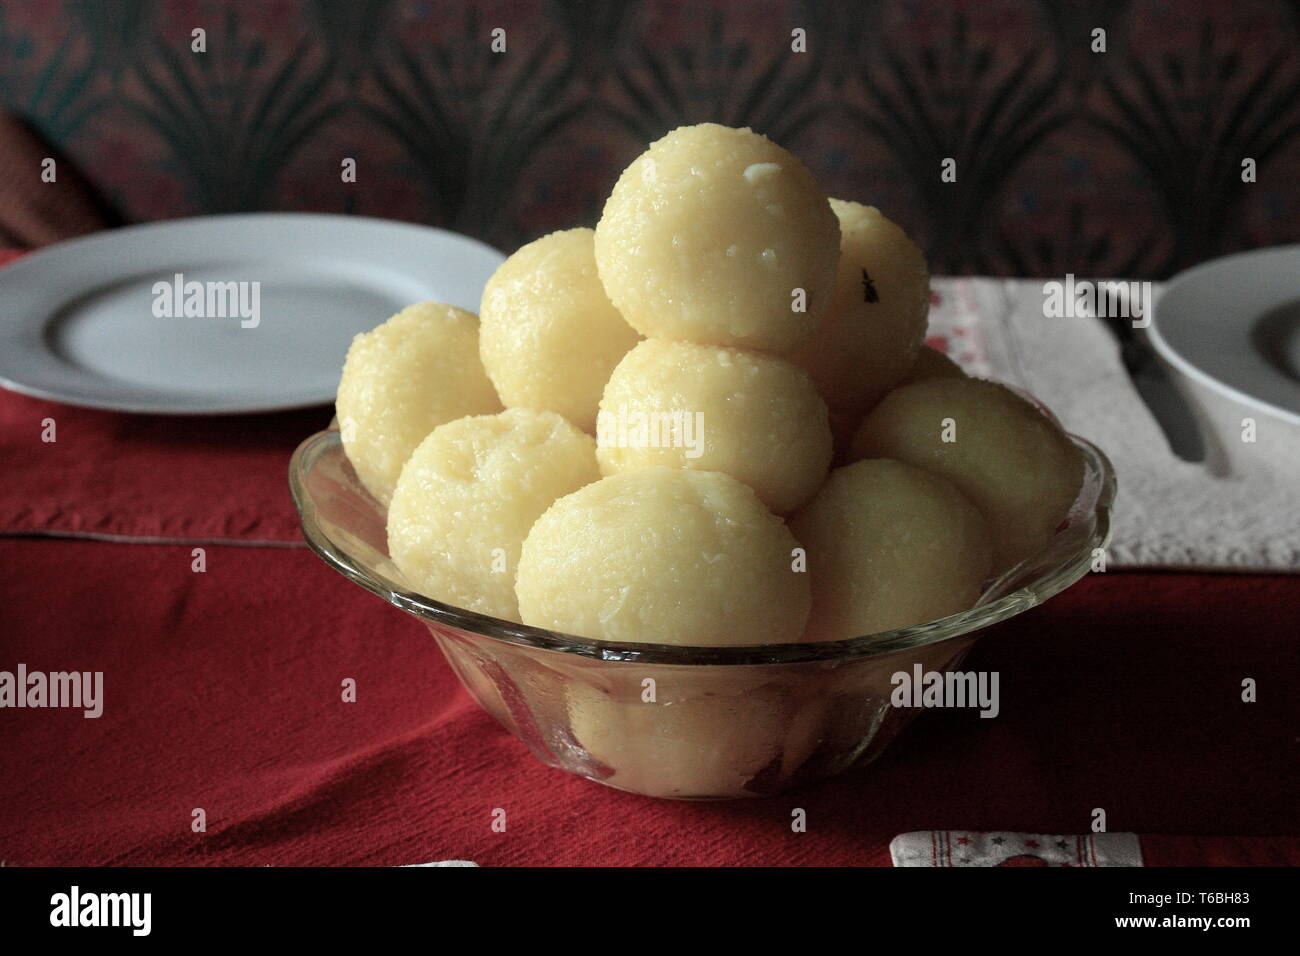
(711,421)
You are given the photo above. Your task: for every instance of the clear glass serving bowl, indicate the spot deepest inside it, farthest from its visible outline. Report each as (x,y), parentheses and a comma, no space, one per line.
(685,722)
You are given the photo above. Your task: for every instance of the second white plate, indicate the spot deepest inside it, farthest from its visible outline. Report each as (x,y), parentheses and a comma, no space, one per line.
(1232,325)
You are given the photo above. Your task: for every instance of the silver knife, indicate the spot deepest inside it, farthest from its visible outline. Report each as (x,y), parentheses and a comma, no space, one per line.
(1158,391)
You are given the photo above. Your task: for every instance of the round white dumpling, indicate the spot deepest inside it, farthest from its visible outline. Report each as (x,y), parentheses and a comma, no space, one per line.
(869,337)
(755,417)
(550,336)
(718,235)
(469,494)
(663,556)
(1001,452)
(706,735)
(931,363)
(890,545)
(402,380)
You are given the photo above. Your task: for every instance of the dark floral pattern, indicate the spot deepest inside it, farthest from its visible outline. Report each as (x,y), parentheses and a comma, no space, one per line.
(470,118)
(969,103)
(1067,159)
(230,119)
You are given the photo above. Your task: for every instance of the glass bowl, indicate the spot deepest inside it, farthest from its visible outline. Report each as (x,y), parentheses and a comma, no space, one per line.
(675,721)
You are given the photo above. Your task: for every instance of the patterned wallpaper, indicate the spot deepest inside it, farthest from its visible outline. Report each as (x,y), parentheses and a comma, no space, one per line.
(1122,162)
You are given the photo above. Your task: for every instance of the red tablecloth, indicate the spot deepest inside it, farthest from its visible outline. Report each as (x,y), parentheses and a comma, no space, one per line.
(222,692)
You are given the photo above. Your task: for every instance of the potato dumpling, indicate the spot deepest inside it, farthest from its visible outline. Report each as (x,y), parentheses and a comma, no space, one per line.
(468,496)
(708,234)
(889,545)
(755,417)
(870,335)
(698,737)
(402,380)
(1000,451)
(931,363)
(550,336)
(667,556)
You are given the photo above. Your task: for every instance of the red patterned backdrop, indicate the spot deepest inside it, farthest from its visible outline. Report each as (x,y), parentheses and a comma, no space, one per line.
(1123,162)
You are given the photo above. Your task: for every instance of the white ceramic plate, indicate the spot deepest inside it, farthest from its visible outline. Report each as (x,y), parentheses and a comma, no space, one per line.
(1232,325)
(84,322)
